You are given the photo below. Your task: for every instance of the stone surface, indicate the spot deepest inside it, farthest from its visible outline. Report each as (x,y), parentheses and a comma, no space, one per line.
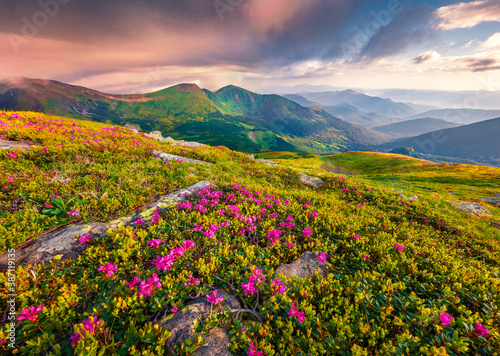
(180,326)
(266,161)
(493,201)
(398,190)
(303,267)
(155,134)
(5,144)
(251,156)
(188,144)
(413,197)
(312,181)
(169,157)
(62,241)
(161,204)
(472,208)
(166,139)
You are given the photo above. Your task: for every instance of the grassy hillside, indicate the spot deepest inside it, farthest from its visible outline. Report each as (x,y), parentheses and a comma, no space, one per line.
(234,117)
(403,278)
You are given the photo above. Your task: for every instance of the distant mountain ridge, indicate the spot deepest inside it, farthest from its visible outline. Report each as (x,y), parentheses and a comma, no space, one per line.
(415,127)
(476,142)
(232,116)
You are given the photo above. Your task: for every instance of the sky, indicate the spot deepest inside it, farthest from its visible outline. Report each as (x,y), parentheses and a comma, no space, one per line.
(127,46)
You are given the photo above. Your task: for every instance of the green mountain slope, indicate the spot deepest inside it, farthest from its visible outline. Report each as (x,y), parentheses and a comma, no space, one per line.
(416,126)
(232,116)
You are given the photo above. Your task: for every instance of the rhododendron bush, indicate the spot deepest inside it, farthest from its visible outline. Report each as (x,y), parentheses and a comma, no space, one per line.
(400,278)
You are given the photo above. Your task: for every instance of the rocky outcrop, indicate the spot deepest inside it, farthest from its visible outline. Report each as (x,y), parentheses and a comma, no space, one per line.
(266,161)
(314,182)
(413,198)
(180,326)
(60,242)
(187,144)
(5,144)
(494,201)
(161,204)
(472,208)
(63,241)
(167,157)
(304,267)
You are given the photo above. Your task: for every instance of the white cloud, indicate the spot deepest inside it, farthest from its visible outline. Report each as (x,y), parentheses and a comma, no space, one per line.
(493,42)
(467,14)
(429,56)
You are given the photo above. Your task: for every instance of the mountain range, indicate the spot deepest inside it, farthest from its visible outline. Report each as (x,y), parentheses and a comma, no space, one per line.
(232,116)
(415,127)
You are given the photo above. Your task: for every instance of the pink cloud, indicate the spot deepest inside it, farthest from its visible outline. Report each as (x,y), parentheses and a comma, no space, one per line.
(466,15)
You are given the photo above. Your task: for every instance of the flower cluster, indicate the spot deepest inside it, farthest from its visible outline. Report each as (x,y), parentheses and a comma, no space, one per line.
(254,282)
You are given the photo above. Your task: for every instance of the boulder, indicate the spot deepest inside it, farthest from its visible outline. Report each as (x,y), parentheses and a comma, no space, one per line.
(60,242)
(266,161)
(155,134)
(63,241)
(251,156)
(167,157)
(167,139)
(312,181)
(413,197)
(473,209)
(188,144)
(303,267)
(6,144)
(493,201)
(161,204)
(180,326)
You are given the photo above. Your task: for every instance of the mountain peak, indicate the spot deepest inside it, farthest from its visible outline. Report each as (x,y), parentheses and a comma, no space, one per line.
(187,87)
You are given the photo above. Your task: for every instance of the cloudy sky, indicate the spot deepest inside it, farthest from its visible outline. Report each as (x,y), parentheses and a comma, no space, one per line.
(127,46)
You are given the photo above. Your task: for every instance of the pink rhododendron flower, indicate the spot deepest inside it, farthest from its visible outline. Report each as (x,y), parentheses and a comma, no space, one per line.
(356,237)
(212,298)
(446,318)
(147,287)
(479,330)
(164,262)
(187,245)
(138,222)
(322,257)
(192,281)
(134,282)
(174,309)
(154,243)
(83,239)
(399,247)
(307,232)
(30,313)
(249,288)
(278,286)
(294,312)
(88,326)
(289,244)
(366,257)
(155,218)
(252,350)
(74,212)
(108,269)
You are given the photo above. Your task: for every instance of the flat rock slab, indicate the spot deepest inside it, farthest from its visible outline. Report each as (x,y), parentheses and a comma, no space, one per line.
(311,181)
(494,201)
(5,144)
(303,267)
(161,204)
(266,161)
(167,157)
(61,241)
(472,208)
(180,326)
(188,144)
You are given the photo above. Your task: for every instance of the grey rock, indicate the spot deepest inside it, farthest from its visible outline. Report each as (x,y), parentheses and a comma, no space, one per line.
(167,139)
(161,204)
(403,196)
(167,157)
(62,241)
(472,190)
(303,267)
(155,134)
(180,326)
(5,144)
(398,190)
(492,201)
(266,161)
(413,197)
(188,144)
(496,195)
(473,209)
(495,224)
(452,192)
(251,156)
(312,181)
